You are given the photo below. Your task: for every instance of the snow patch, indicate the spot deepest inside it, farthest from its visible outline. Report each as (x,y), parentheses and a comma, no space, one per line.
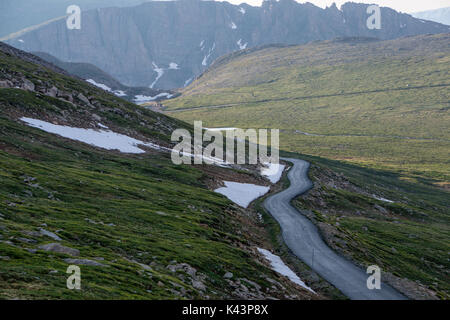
(242,10)
(220,129)
(242,193)
(278,266)
(105,139)
(173,66)
(233,25)
(188,81)
(120,93)
(383,199)
(142,99)
(241,45)
(99,85)
(273,171)
(21,40)
(159,71)
(205,59)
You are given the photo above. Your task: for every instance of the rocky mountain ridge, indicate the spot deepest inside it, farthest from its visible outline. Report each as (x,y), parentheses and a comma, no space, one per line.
(167,44)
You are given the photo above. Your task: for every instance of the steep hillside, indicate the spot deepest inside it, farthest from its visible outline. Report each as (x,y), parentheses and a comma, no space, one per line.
(166,44)
(383,104)
(138,226)
(16,15)
(98,77)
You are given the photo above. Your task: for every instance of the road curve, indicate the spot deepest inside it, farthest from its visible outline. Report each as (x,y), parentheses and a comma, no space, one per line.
(303,239)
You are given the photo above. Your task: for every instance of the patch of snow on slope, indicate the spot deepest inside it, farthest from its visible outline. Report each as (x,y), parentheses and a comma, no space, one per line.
(173,66)
(273,171)
(188,81)
(159,71)
(120,93)
(242,193)
(202,45)
(21,40)
(383,199)
(205,59)
(241,45)
(105,139)
(242,10)
(220,129)
(142,99)
(279,266)
(99,85)
(233,25)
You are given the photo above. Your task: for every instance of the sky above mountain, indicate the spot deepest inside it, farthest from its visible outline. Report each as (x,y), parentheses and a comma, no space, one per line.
(407,6)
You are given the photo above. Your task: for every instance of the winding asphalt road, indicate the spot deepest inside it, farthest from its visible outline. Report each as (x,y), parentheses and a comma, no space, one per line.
(304,240)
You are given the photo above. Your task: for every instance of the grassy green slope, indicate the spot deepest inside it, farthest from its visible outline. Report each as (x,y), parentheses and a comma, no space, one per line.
(380,104)
(377,114)
(137,213)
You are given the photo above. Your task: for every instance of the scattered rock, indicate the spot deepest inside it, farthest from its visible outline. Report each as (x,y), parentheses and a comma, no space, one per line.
(184,267)
(28,85)
(90,221)
(33,233)
(84,99)
(56,247)
(85,262)
(6,84)
(52,92)
(198,285)
(49,234)
(380,208)
(5,258)
(26,240)
(228,275)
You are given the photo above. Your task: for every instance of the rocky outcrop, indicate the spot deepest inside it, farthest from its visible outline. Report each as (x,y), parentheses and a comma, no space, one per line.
(58,248)
(167,44)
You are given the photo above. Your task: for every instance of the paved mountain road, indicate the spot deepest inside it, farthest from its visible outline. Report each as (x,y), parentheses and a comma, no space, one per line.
(304,240)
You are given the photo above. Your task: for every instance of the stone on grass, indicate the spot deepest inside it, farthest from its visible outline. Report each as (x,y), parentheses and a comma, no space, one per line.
(56,247)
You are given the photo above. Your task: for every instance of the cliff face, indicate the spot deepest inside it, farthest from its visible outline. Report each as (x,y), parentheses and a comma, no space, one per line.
(166,44)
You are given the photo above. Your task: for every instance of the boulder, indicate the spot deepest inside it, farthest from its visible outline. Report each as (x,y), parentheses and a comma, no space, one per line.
(28,85)
(85,262)
(56,247)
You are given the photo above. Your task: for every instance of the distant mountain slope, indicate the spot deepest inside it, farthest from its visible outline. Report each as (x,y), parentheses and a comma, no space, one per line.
(438,15)
(16,15)
(167,44)
(100,78)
